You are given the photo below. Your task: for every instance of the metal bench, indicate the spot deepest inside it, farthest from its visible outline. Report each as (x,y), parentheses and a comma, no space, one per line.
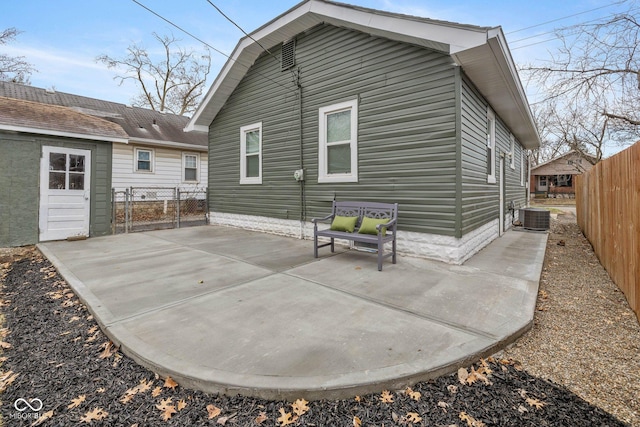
(361,210)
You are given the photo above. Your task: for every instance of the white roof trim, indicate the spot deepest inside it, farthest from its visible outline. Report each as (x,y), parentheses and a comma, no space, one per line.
(37,131)
(171,144)
(482,52)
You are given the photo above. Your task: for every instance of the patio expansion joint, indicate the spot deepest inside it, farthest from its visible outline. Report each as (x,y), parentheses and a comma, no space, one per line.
(442,322)
(176,303)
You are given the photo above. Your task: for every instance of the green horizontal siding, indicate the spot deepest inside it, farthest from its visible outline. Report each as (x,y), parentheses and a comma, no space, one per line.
(20,186)
(406,130)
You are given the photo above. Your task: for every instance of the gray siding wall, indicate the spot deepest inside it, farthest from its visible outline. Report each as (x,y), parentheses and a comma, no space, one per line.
(480,200)
(406,130)
(20,183)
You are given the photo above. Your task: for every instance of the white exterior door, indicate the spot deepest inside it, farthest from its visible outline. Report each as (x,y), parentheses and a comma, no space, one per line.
(65,178)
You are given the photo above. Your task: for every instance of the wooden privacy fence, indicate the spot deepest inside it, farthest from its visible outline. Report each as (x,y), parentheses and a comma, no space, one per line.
(608,210)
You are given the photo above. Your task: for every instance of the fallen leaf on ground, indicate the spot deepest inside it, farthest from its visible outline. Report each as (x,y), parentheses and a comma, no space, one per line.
(109,350)
(415,395)
(77,401)
(452,389)
(358,399)
(463,375)
(156,392)
(101,390)
(535,402)
(95,414)
(6,379)
(170,383)
(386,397)
(357,422)
(42,418)
(213,411)
(5,344)
(413,417)
(300,407)
(285,418)
(181,404)
(443,405)
(471,422)
(262,417)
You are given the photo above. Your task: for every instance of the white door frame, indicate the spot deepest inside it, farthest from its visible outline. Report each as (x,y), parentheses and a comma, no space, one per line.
(64,201)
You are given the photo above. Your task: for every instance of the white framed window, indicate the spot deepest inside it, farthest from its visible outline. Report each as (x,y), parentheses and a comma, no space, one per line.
(491,146)
(512,152)
(251,154)
(338,142)
(190,169)
(144,160)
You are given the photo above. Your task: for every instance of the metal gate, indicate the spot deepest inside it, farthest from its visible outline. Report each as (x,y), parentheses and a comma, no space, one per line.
(155,208)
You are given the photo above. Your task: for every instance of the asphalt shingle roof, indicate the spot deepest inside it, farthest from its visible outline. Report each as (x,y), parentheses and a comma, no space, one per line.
(138,123)
(35,115)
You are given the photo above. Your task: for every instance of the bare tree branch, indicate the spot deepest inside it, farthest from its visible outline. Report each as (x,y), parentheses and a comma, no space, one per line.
(13,68)
(173,82)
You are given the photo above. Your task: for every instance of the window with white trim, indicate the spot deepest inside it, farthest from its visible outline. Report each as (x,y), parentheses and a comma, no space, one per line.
(512,152)
(338,142)
(251,154)
(144,160)
(190,162)
(491,146)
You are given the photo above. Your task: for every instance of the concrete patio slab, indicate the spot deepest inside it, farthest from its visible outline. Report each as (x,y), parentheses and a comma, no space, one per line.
(238,312)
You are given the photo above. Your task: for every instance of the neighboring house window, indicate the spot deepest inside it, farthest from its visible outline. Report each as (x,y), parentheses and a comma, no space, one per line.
(491,146)
(512,163)
(338,143)
(190,167)
(251,154)
(542,180)
(144,160)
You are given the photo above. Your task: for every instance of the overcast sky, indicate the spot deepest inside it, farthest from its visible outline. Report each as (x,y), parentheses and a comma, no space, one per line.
(62,38)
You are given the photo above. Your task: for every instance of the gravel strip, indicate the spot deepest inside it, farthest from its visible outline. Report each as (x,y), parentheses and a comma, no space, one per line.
(585,336)
(55,352)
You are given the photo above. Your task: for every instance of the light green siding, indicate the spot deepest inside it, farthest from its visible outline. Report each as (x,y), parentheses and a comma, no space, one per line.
(406,130)
(20,181)
(480,200)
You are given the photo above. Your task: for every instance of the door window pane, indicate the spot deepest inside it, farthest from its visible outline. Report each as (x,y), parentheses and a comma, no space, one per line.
(339,126)
(57,161)
(56,180)
(76,181)
(76,163)
(339,157)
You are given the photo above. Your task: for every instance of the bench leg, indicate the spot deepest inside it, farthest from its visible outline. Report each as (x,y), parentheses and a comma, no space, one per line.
(315,245)
(380,253)
(394,249)
(332,245)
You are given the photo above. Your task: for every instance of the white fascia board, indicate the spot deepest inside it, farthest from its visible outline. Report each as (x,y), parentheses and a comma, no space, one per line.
(442,36)
(25,129)
(171,144)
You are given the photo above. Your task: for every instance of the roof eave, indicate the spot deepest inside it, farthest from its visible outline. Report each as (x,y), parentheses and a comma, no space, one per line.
(37,131)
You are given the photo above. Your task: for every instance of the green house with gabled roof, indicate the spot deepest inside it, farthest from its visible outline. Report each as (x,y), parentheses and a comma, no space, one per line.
(336,102)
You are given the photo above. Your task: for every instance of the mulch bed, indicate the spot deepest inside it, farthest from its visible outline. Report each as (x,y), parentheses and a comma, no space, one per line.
(55,352)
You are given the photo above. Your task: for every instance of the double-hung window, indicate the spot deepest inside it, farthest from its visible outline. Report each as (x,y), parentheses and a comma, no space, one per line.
(144,160)
(251,154)
(190,167)
(491,146)
(338,143)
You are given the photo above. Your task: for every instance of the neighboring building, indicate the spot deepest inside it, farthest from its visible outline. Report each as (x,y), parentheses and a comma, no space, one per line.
(55,172)
(555,178)
(373,106)
(156,153)
(150,149)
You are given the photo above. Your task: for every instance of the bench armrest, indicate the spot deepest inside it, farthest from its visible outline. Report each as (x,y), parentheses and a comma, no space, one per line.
(316,220)
(387,225)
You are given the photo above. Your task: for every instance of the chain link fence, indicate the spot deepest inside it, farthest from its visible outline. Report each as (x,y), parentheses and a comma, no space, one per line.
(156,208)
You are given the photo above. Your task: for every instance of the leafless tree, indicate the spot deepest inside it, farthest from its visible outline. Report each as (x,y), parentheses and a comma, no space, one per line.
(174,81)
(13,68)
(593,84)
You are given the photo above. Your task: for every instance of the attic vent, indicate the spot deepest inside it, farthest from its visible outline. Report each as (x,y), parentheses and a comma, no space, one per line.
(288,54)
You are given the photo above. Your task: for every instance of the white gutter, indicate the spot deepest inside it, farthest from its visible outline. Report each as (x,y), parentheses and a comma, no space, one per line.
(172,144)
(63,134)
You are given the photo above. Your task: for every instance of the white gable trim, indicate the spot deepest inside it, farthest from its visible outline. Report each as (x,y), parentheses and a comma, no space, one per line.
(482,53)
